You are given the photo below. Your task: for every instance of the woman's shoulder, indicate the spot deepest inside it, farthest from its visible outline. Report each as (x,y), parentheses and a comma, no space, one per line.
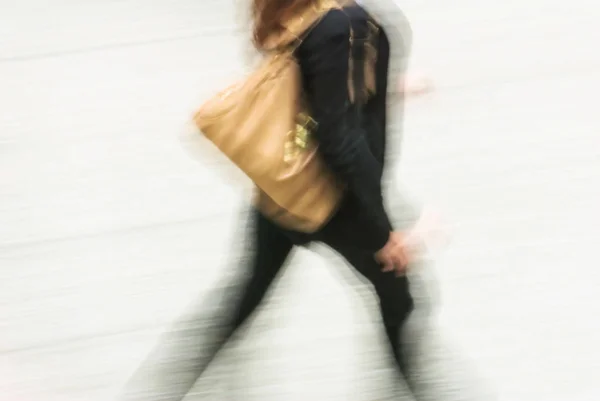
(334,20)
(335,23)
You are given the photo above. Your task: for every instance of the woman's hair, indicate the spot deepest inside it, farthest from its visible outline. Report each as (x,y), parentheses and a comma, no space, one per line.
(268,15)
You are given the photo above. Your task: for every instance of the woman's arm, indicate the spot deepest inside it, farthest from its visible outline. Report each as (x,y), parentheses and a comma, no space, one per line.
(342,142)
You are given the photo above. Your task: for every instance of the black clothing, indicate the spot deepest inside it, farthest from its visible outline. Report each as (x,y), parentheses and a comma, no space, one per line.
(195,343)
(353,148)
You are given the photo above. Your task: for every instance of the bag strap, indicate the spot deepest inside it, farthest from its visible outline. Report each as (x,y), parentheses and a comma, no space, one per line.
(358,87)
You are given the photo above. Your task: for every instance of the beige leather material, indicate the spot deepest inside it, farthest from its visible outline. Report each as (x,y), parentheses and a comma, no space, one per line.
(260,125)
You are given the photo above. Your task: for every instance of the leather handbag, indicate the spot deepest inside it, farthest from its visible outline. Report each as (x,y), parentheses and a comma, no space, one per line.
(262,125)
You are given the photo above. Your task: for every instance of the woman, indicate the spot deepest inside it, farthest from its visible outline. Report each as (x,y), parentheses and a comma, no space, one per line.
(354,149)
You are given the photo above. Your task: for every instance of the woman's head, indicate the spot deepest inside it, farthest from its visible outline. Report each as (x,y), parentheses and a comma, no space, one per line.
(268,16)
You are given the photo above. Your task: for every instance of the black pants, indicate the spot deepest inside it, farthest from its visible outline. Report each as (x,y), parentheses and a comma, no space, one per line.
(272,250)
(173,375)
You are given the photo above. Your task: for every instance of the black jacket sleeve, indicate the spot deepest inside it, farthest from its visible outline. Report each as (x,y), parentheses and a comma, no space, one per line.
(342,142)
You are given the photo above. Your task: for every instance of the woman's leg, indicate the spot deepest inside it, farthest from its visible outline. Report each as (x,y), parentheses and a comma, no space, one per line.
(271,251)
(395,300)
(185,352)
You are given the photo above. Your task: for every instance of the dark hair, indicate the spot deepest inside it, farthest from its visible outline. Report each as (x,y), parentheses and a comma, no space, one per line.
(268,16)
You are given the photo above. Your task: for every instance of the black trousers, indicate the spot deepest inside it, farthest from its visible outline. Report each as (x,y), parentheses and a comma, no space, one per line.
(187,350)
(273,248)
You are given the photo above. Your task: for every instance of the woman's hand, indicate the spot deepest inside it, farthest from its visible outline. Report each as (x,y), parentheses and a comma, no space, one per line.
(414,85)
(397,254)
(430,232)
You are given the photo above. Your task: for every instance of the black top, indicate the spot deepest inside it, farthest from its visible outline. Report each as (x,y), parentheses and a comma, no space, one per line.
(352,147)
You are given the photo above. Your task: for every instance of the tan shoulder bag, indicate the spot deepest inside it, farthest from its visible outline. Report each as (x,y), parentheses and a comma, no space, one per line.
(261,125)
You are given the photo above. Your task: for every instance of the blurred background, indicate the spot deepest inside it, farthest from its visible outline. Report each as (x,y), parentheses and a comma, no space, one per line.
(108,230)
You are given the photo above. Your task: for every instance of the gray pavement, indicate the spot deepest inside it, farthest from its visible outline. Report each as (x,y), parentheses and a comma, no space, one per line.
(108,230)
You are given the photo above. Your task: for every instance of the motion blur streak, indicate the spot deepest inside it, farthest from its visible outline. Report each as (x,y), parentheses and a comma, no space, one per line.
(109,233)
